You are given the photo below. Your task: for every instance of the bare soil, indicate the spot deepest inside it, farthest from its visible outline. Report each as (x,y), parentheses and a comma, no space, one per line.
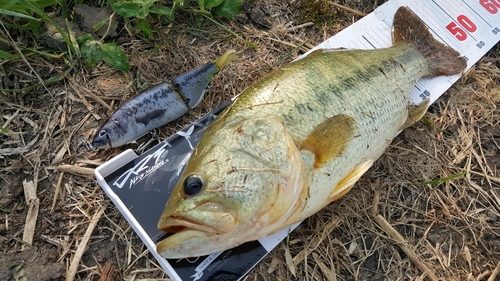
(449,230)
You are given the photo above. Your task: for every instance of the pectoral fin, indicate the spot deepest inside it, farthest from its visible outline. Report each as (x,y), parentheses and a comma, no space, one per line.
(329,139)
(415,113)
(348,181)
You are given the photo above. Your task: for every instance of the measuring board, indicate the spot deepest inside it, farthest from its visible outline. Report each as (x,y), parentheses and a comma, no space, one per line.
(140,185)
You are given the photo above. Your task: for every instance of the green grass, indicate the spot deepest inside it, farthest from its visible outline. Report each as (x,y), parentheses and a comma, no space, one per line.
(436,182)
(29,15)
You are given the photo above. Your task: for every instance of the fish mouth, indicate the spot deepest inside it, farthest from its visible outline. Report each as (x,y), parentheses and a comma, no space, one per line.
(180,224)
(99,143)
(208,217)
(196,232)
(189,238)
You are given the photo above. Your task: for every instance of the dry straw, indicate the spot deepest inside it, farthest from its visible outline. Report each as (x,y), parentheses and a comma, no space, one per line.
(408,218)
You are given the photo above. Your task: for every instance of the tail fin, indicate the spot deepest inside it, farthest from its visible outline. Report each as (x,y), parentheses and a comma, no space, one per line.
(441,59)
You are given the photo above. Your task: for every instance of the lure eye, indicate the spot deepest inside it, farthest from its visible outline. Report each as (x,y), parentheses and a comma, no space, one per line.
(193,185)
(102,133)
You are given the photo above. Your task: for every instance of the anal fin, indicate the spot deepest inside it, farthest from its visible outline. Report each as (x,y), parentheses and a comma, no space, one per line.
(329,139)
(348,181)
(415,113)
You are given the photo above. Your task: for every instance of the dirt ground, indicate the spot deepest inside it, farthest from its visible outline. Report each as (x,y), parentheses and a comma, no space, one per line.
(447,231)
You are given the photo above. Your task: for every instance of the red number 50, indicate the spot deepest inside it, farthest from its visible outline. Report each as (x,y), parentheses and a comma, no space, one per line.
(457,31)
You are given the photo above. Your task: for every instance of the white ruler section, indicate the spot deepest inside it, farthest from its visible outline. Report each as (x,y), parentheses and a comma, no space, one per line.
(471,27)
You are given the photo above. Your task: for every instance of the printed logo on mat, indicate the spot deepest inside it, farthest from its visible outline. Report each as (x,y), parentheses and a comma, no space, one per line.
(203,265)
(153,161)
(143,168)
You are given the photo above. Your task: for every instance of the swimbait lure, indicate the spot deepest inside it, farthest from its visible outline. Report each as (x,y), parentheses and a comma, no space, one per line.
(158,105)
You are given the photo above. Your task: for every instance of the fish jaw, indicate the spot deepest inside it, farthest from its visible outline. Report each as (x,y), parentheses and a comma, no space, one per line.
(194,243)
(103,137)
(110,135)
(196,232)
(211,218)
(182,244)
(99,143)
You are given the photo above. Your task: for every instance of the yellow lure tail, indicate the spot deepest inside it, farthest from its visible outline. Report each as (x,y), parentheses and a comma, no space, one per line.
(226,58)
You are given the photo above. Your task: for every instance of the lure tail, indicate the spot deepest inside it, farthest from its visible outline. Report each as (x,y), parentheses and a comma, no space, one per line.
(226,58)
(192,85)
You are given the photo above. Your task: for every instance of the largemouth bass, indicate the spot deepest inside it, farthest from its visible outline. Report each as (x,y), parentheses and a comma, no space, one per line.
(158,105)
(299,139)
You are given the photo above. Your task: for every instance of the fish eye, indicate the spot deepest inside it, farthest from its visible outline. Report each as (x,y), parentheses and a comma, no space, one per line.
(193,185)
(102,133)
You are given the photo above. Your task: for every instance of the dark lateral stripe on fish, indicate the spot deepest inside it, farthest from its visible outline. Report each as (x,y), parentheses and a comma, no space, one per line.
(150,116)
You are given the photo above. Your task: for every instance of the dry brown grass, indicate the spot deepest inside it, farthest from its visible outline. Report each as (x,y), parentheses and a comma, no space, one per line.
(391,226)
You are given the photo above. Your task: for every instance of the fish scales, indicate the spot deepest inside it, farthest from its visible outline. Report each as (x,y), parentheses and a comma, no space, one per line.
(299,139)
(379,80)
(303,100)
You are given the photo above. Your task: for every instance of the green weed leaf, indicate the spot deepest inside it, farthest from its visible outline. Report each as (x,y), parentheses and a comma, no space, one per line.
(143,26)
(15,14)
(201,4)
(203,13)
(94,51)
(46,3)
(33,7)
(212,3)
(91,52)
(100,24)
(441,180)
(73,43)
(114,56)
(143,13)
(83,39)
(7,56)
(126,9)
(9,6)
(34,26)
(228,8)
(162,10)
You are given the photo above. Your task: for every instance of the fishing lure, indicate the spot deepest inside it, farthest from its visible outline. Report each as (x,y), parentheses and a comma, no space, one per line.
(158,105)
